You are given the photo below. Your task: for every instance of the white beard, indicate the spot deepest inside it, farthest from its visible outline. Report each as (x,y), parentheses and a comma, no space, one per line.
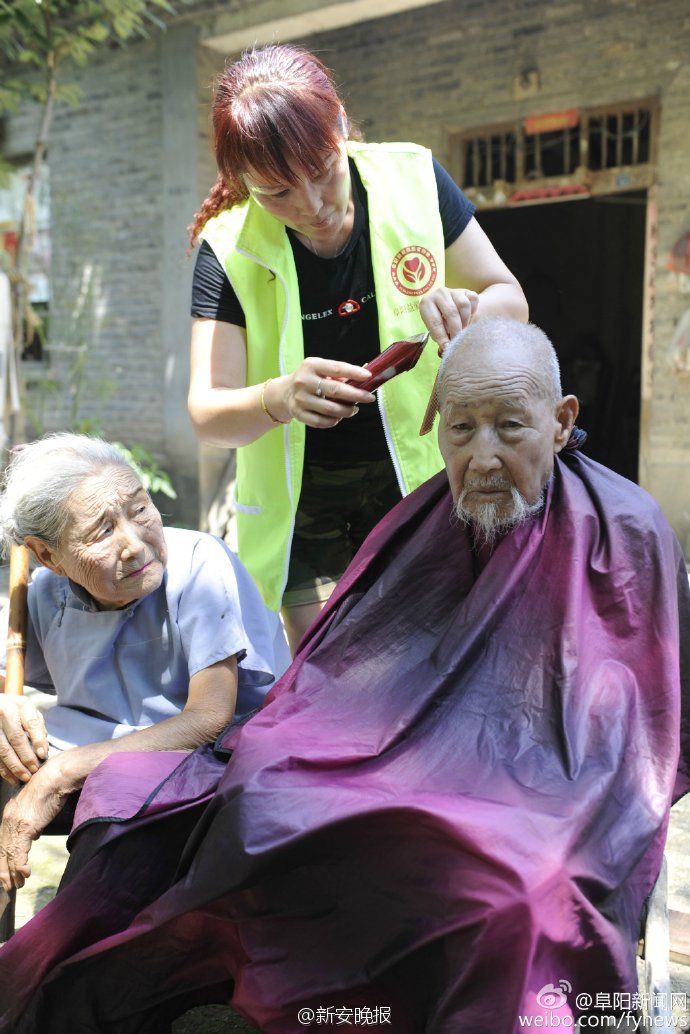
(488,521)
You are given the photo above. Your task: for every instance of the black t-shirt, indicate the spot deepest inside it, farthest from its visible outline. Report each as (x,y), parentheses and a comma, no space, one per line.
(339,315)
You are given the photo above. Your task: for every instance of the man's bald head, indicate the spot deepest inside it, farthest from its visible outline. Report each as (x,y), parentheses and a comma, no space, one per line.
(502,342)
(502,421)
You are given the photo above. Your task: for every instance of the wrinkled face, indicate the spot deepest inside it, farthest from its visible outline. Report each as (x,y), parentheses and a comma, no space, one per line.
(314,207)
(113,544)
(498,433)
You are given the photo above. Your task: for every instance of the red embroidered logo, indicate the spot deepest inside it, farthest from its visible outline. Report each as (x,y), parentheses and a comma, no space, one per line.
(414,270)
(348,307)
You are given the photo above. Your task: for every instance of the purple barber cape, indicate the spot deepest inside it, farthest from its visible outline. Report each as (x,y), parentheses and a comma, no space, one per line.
(455,799)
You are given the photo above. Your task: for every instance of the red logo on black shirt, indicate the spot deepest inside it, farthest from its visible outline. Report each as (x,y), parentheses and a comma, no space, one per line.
(414,270)
(348,307)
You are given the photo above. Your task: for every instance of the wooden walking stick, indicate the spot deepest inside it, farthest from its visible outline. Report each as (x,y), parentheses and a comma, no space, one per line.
(14,685)
(16,629)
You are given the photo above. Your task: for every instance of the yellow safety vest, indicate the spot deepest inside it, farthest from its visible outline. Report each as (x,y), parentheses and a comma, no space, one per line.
(408,260)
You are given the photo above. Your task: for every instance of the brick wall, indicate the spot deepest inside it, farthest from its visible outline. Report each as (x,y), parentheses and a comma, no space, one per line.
(105,188)
(668,473)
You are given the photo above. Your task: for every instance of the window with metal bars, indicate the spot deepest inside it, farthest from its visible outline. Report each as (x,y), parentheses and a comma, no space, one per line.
(596,140)
(619,138)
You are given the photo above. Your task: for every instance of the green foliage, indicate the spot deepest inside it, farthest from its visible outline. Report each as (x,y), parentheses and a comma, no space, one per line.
(144,462)
(44,34)
(12,93)
(88,425)
(153,477)
(72,28)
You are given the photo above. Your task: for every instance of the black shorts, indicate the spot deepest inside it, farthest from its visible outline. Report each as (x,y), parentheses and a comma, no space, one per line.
(338,507)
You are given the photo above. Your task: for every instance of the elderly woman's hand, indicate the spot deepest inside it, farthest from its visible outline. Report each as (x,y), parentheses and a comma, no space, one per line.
(446,311)
(23,739)
(24,819)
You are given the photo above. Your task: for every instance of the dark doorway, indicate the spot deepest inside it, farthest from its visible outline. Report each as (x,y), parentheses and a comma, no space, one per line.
(581,264)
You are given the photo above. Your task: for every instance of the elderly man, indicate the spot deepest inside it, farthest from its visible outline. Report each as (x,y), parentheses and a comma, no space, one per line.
(449,812)
(149,638)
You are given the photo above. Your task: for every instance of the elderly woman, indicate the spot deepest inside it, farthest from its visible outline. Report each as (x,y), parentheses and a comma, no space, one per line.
(151,638)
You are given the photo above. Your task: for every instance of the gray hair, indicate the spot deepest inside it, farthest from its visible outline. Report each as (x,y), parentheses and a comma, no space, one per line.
(499,330)
(40,478)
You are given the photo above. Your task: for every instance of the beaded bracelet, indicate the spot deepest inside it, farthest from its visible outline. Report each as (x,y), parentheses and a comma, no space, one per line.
(265,407)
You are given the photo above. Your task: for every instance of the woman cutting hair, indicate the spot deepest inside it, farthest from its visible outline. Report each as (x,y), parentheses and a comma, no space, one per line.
(317,252)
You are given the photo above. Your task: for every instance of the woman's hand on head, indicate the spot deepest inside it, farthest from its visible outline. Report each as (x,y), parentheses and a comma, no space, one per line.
(446,311)
(478,285)
(23,739)
(317,393)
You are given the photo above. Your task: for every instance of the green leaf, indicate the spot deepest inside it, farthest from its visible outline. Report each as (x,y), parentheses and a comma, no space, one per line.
(77,49)
(123,24)
(13,92)
(37,92)
(69,93)
(26,19)
(98,32)
(92,427)
(153,478)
